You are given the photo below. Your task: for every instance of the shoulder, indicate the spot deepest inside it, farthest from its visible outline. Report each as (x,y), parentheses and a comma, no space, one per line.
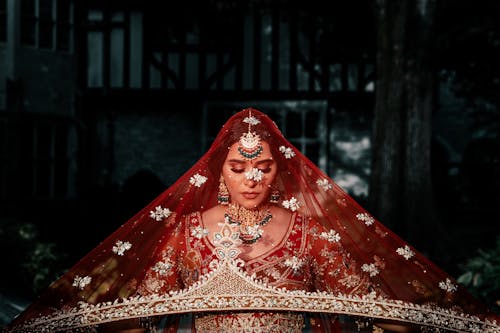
(281,214)
(213,212)
(212,216)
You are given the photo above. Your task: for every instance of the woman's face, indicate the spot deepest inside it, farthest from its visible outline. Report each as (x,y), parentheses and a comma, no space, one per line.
(242,176)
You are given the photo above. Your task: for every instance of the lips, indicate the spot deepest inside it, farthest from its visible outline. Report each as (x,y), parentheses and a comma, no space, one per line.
(250,195)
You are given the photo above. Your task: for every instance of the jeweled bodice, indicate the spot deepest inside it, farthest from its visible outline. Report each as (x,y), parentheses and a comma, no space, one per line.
(307,258)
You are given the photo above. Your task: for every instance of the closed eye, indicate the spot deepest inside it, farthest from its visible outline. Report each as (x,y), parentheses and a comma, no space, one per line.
(266,170)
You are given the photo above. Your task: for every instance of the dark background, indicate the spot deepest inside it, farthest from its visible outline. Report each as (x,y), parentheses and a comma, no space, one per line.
(103,104)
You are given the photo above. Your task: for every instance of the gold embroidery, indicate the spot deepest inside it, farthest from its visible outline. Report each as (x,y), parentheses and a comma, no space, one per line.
(250,322)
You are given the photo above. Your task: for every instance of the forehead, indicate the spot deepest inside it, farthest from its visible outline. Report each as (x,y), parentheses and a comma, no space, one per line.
(233,153)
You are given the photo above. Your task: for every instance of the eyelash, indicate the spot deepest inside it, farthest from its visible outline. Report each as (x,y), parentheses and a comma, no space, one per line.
(266,170)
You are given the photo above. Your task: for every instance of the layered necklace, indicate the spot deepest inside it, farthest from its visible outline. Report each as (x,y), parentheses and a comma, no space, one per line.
(249,221)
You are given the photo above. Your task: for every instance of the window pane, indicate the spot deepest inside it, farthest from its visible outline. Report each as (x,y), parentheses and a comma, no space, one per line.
(312,123)
(294,125)
(45,35)
(63,37)
(312,152)
(28,22)
(46,23)
(45,9)
(63,25)
(3,20)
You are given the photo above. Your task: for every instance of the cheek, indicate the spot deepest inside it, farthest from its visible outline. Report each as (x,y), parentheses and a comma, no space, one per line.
(231,181)
(270,178)
(268,181)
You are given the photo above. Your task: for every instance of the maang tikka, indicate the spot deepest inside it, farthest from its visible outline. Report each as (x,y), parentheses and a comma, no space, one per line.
(250,145)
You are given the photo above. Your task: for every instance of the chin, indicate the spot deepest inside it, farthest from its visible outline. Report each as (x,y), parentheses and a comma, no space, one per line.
(250,204)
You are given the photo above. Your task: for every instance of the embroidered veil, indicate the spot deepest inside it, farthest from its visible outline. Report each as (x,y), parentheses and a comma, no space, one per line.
(103,285)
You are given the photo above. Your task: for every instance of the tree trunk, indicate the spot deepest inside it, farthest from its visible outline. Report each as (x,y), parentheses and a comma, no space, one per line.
(400,184)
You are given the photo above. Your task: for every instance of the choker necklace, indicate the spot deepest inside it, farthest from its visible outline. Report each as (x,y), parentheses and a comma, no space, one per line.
(249,221)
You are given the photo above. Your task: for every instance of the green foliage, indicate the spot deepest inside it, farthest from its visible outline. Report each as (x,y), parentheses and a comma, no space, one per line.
(31,261)
(481,275)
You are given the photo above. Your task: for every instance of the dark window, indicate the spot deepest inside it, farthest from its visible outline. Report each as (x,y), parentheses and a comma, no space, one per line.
(28,22)
(3,20)
(64,28)
(46,24)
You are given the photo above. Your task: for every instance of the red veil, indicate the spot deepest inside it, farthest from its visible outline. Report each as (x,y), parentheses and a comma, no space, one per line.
(102,286)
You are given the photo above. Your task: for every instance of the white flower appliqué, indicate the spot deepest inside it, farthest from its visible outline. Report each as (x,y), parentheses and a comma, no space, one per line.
(81,281)
(324,184)
(120,247)
(406,252)
(287,151)
(160,213)
(332,236)
(255,231)
(294,263)
(163,267)
(251,120)
(254,174)
(370,268)
(365,217)
(197,180)
(291,204)
(448,286)
(199,232)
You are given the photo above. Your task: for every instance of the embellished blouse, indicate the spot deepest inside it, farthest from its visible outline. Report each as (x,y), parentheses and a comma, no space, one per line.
(308,257)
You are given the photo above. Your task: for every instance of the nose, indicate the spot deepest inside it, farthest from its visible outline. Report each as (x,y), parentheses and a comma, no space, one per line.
(250,183)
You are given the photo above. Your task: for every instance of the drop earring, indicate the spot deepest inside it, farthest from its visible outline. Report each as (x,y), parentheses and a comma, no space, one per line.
(275,196)
(223,194)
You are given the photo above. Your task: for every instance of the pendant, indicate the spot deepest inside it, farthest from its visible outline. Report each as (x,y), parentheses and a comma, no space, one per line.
(250,234)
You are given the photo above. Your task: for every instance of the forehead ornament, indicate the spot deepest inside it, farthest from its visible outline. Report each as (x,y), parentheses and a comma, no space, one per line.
(250,145)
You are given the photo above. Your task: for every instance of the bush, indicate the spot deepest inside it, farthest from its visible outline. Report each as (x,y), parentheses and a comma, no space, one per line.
(33,263)
(481,275)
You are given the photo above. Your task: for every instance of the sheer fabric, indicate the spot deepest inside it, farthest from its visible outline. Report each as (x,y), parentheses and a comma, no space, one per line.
(336,261)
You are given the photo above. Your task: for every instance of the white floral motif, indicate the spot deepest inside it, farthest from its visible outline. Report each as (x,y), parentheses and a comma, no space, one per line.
(197,180)
(370,268)
(365,217)
(81,281)
(448,286)
(254,231)
(331,236)
(294,263)
(324,184)
(163,267)
(254,174)
(406,252)
(291,204)
(287,151)
(120,247)
(160,213)
(273,272)
(251,120)
(199,232)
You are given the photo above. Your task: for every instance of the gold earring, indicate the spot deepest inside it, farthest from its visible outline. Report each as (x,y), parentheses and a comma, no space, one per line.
(275,196)
(223,194)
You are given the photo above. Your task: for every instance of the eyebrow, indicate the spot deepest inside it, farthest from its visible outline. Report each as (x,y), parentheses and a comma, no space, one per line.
(269,160)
